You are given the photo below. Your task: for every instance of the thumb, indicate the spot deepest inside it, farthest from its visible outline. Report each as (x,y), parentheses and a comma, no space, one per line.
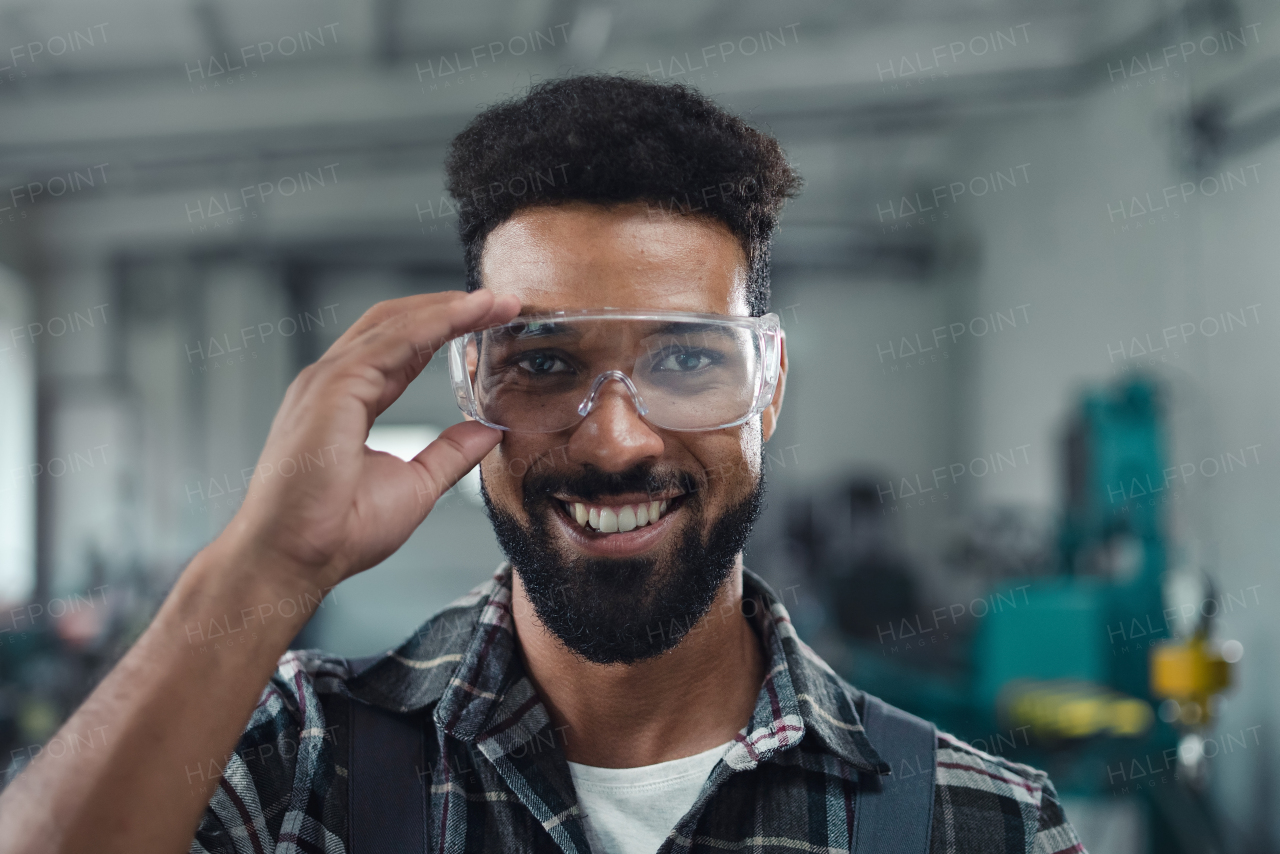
(454,452)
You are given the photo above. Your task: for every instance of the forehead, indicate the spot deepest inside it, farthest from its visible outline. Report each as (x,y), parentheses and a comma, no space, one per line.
(629,256)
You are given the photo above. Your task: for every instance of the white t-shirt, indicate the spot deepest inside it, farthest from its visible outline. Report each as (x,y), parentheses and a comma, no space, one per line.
(631,810)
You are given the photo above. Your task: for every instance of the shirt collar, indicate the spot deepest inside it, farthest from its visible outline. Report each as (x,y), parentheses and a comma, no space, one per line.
(463,660)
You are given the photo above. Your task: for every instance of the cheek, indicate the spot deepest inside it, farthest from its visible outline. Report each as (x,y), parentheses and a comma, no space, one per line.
(505,467)
(732,461)
(751,446)
(499,478)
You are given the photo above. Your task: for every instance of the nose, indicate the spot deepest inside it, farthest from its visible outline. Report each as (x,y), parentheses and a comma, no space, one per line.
(613,436)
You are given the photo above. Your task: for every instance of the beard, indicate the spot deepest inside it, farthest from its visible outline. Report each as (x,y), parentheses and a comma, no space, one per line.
(622,610)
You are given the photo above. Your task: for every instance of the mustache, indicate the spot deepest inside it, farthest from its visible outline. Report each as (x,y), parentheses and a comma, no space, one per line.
(591,484)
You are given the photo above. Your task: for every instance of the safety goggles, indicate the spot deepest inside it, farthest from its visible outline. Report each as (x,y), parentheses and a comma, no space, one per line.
(682,371)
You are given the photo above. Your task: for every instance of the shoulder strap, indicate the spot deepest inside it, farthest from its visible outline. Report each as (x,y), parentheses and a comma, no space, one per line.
(387,799)
(894,814)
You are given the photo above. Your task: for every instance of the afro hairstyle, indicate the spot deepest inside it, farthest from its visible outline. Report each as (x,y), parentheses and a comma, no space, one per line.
(607,140)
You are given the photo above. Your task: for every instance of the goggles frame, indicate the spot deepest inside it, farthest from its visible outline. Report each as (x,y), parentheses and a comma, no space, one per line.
(767,329)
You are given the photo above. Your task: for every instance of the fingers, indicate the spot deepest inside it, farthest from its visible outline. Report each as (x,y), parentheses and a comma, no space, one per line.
(409,338)
(454,452)
(432,314)
(390,359)
(400,336)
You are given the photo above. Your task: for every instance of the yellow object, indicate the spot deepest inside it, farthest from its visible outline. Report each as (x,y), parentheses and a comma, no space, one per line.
(1074,709)
(1191,673)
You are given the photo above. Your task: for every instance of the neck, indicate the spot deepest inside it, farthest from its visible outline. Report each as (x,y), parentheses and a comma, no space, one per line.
(688,700)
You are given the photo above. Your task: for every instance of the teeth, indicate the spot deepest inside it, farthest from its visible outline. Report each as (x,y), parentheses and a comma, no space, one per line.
(608,520)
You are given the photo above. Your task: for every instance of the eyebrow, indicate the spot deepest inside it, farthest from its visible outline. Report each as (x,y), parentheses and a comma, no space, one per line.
(540,329)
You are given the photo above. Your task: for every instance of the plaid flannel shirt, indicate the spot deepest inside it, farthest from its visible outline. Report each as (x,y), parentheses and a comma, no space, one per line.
(498,781)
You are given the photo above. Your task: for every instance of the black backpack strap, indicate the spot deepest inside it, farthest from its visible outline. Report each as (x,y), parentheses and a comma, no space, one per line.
(894,814)
(387,809)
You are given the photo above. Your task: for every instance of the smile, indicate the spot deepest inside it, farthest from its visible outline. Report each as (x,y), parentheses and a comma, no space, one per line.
(612,519)
(617,530)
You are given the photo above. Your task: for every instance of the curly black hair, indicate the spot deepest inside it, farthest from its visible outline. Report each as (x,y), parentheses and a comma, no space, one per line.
(607,140)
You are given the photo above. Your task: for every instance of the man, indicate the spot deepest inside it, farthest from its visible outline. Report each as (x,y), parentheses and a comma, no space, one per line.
(623,684)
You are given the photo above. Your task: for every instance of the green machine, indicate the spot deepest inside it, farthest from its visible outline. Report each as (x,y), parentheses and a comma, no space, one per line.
(1112,553)
(1077,665)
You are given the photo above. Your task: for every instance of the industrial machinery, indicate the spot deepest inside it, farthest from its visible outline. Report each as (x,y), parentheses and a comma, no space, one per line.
(1077,665)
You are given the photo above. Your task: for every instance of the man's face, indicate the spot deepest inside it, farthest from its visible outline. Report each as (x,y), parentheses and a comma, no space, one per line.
(624,596)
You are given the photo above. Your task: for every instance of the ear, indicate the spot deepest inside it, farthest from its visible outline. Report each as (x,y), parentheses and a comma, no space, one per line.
(769,418)
(472,359)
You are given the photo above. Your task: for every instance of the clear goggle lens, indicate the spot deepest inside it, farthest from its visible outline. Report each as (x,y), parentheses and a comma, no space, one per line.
(682,371)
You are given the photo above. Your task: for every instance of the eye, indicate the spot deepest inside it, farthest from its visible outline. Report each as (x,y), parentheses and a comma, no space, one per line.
(683,361)
(542,364)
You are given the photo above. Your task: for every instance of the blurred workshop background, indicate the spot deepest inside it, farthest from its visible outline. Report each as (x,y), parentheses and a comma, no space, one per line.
(1023,482)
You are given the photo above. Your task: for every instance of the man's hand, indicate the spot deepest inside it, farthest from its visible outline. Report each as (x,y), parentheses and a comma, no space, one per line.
(329,509)
(342,507)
